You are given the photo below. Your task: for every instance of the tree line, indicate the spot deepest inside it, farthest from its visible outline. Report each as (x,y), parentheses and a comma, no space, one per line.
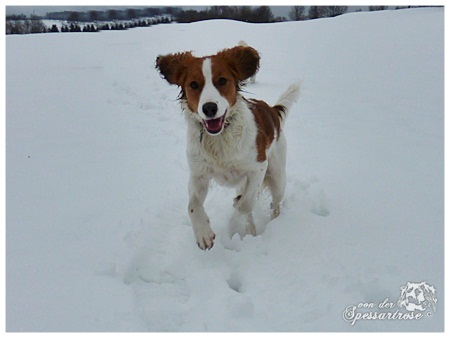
(111,14)
(32,26)
(315,12)
(240,13)
(261,14)
(90,21)
(297,13)
(22,25)
(94,21)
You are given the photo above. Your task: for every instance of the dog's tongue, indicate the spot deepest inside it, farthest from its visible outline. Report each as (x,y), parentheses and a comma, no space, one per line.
(215,125)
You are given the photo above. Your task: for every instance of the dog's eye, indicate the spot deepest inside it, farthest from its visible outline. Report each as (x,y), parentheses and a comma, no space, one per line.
(222,81)
(194,85)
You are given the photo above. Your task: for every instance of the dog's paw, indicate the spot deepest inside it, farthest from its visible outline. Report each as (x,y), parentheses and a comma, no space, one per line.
(275,210)
(250,228)
(205,239)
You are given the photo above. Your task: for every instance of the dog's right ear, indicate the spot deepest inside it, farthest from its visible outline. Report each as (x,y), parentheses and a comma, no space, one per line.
(172,67)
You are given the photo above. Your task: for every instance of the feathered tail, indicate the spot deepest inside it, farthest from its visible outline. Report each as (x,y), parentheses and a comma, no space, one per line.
(286,100)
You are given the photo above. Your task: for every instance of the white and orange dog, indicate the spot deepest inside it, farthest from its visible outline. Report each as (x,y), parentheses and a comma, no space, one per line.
(238,142)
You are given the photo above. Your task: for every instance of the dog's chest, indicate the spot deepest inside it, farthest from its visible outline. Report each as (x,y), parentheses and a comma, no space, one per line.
(224,161)
(227,176)
(226,158)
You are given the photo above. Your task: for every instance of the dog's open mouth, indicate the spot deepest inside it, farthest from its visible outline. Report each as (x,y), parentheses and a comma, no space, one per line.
(214,126)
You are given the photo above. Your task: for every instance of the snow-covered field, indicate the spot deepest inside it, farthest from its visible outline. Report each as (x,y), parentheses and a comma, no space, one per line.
(98,237)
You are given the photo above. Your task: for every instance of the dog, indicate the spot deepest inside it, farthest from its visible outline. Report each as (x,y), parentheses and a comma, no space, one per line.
(417,297)
(236,141)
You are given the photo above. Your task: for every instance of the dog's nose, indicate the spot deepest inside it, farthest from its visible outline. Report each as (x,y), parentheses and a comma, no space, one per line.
(209,109)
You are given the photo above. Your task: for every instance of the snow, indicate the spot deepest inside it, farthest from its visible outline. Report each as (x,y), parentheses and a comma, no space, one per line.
(97,232)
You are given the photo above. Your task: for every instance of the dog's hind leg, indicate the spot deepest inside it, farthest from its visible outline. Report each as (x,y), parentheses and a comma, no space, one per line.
(250,225)
(275,178)
(245,201)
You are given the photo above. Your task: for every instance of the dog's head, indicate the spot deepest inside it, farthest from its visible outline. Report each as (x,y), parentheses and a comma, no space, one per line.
(417,296)
(210,84)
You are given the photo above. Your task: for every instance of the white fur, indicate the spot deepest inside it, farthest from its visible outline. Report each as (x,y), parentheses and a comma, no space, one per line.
(210,93)
(288,98)
(230,158)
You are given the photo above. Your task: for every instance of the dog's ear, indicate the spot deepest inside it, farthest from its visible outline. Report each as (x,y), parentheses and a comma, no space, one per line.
(243,59)
(172,67)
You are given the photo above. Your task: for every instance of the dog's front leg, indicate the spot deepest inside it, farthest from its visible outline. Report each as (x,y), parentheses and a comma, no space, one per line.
(198,189)
(245,202)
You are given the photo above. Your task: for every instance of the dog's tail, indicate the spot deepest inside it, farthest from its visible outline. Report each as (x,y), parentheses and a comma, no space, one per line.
(286,100)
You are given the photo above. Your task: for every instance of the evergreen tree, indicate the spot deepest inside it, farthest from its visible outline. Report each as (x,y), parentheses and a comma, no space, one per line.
(54,29)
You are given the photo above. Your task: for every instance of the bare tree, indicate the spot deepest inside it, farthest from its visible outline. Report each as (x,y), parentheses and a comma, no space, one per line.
(131,13)
(94,15)
(263,14)
(296,13)
(74,16)
(316,12)
(244,13)
(332,11)
(377,8)
(113,14)
(37,26)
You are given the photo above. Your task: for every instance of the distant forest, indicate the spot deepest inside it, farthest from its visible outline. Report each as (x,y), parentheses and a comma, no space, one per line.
(112,14)
(113,19)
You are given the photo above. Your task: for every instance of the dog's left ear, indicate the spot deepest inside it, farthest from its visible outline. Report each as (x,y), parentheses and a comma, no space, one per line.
(244,60)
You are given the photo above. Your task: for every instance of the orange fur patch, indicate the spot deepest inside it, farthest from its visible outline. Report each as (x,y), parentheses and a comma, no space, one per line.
(267,119)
